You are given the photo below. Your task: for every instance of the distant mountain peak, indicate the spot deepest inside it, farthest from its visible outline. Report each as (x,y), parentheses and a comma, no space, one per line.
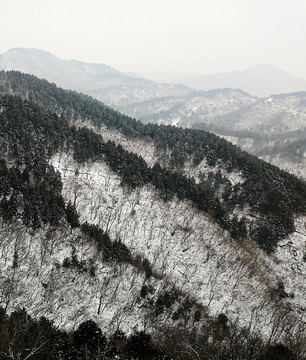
(260,80)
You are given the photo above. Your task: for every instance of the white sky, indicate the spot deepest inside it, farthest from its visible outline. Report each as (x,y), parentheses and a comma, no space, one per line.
(206,36)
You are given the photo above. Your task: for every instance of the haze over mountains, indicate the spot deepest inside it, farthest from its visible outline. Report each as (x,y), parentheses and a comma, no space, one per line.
(134,96)
(260,80)
(71,74)
(90,78)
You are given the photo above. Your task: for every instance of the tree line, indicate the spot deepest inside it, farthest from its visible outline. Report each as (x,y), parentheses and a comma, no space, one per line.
(24,337)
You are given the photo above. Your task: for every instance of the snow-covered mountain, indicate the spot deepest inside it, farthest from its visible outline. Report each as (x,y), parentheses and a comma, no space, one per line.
(146,228)
(273,129)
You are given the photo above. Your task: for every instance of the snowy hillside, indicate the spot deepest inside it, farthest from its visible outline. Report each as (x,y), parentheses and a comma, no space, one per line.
(172,233)
(189,108)
(279,114)
(187,250)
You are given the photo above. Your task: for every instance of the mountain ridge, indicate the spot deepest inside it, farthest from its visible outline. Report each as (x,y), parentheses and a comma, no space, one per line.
(65,72)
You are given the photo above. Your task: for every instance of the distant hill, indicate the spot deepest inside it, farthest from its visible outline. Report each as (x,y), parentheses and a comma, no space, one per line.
(272,128)
(169,76)
(260,80)
(70,74)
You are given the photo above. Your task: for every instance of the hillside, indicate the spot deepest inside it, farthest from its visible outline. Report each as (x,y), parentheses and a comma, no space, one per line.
(146,228)
(272,128)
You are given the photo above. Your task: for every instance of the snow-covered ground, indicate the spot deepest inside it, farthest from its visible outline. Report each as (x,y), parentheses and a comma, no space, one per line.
(188,250)
(186,108)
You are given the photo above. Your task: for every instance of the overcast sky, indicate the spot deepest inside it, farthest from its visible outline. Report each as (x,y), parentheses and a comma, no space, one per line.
(207,36)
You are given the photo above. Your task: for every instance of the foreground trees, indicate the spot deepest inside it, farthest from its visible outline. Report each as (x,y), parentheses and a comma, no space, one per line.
(22,337)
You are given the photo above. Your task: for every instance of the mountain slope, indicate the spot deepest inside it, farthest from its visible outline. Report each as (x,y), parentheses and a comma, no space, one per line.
(260,80)
(272,128)
(164,241)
